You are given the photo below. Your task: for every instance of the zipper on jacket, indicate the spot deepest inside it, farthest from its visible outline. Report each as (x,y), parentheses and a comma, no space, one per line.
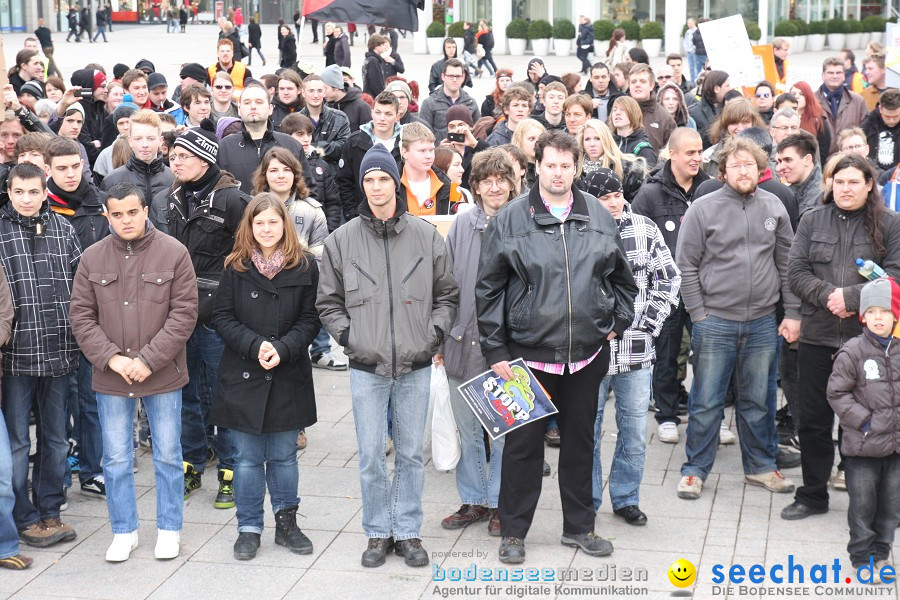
(387,262)
(413,270)
(562,230)
(363,273)
(749,258)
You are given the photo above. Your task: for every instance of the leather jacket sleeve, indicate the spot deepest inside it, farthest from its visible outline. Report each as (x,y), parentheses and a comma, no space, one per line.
(490,297)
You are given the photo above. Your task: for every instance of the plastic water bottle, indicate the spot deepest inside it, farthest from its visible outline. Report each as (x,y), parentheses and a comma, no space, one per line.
(869,269)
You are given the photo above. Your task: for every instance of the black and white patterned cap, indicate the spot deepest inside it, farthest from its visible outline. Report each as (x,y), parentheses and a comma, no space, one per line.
(602,182)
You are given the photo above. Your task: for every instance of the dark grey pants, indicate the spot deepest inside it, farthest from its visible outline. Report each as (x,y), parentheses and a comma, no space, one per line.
(874,488)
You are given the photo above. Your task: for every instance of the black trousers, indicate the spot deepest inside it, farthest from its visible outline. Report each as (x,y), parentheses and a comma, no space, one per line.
(816,423)
(874,488)
(575,395)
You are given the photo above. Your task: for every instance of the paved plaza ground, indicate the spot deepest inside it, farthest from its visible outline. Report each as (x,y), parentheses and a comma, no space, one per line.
(732,524)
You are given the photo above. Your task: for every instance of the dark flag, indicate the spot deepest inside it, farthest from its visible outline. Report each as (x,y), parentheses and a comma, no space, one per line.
(399,14)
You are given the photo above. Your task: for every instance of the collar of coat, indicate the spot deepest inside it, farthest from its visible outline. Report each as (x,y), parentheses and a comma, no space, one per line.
(393,226)
(541,216)
(137,245)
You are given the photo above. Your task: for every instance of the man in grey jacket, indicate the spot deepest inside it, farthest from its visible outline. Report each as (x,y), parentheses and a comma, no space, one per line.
(387,293)
(796,163)
(733,255)
(433,111)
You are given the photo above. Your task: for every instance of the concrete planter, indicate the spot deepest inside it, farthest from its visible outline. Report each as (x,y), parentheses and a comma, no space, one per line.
(854,41)
(517,46)
(798,44)
(435,45)
(541,47)
(562,47)
(652,46)
(815,42)
(837,41)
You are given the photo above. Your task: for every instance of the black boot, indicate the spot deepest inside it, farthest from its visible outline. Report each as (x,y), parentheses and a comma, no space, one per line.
(287,533)
(246,545)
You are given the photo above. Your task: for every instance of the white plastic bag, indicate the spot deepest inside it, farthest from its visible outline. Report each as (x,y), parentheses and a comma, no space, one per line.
(445,444)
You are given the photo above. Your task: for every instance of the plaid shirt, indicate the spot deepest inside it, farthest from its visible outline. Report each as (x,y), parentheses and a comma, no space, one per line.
(658,281)
(40,269)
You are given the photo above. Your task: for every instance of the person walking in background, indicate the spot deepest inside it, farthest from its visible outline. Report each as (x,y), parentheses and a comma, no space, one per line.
(254,41)
(584,43)
(288,47)
(687,44)
(700,57)
(101,25)
(182,18)
(486,41)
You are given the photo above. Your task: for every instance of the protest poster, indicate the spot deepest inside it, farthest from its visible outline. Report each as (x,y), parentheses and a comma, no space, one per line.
(502,405)
(728,49)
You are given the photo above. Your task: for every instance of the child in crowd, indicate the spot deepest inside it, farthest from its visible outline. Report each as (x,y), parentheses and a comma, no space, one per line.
(864,391)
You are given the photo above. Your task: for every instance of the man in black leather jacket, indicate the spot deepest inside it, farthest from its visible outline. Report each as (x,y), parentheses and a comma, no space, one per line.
(553,286)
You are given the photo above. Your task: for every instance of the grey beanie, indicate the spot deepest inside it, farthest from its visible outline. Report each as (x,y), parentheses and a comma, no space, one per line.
(377,158)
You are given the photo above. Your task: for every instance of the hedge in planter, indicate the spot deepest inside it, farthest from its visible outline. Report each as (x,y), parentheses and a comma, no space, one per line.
(632,30)
(517,29)
(836,26)
(563,29)
(785,29)
(874,23)
(853,26)
(540,30)
(456,30)
(801,25)
(817,28)
(753,30)
(603,30)
(651,31)
(435,30)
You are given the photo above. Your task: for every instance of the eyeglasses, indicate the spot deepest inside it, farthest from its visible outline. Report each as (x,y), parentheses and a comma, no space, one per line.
(786,127)
(224,87)
(487,184)
(742,167)
(449,76)
(764,95)
(658,77)
(854,148)
(180,157)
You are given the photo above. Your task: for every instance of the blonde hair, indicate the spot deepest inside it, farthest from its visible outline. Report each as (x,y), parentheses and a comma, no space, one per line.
(414,132)
(612,156)
(145,116)
(519,134)
(632,110)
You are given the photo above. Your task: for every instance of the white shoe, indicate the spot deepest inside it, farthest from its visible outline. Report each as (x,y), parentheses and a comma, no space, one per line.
(122,546)
(167,544)
(726,436)
(667,433)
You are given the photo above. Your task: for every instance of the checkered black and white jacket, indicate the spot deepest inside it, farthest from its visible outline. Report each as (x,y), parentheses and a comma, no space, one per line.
(40,255)
(658,281)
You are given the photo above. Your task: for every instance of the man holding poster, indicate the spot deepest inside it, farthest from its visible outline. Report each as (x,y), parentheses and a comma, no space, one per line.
(553,286)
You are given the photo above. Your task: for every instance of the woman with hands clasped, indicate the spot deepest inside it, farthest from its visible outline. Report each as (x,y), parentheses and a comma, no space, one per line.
(265,311)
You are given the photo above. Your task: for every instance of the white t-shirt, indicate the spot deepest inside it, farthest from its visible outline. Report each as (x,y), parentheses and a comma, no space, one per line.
(421,190)
(389,144)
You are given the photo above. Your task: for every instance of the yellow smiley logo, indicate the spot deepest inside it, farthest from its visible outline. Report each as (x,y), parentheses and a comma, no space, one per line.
(682,573)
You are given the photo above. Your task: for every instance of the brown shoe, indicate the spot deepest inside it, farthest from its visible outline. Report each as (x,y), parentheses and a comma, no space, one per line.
(494,523)
(16,563)
(551,436)
(68,534)
(465,516)
(39,536)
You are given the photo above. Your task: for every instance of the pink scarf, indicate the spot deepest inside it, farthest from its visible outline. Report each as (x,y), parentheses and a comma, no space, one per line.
(269,267)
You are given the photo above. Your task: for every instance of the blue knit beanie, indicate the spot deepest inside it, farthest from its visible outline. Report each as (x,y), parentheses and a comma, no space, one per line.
(377,158)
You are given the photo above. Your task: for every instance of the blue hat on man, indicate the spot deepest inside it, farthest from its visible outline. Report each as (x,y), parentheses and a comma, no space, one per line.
(377,158)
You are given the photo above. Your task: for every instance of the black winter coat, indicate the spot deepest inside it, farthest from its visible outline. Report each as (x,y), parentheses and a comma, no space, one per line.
(254,35)
(664,202)
(251,309)
(280,110)
(208,233)
(331,132)
(325,189)
(239,154)
(288,47)
(88,219)
(704,113)
(876,131)
(637,144)
(330,44)
(356,109)
(153,178)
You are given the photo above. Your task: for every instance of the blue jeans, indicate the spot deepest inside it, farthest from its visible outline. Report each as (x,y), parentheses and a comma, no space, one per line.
(117,423)
(720,347)
(269,459)
(632,390)
(204,351)
(9,534)
(90,438)
(874,488)
(473,481)
(47,395)
(391,508)
(699,62)
(321,344)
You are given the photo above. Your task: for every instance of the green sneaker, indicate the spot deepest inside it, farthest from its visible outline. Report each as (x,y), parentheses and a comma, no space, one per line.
(191,479)
(225,497)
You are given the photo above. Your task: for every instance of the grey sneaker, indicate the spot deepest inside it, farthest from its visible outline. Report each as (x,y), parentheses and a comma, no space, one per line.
(689,487)
(590,543)
(773,481)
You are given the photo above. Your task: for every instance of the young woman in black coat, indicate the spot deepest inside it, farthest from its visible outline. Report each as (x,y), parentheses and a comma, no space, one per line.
(288,47)
(266,313)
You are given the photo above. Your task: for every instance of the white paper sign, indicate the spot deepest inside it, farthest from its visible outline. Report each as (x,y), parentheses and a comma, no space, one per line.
(728,49)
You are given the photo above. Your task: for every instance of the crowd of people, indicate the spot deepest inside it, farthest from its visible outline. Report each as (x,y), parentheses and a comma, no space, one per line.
(175,262)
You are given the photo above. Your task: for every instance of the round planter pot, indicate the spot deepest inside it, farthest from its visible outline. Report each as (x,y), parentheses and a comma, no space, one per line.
(652,47)
(460,44)
(854,40)
(798,44)
(815,42)
(877,36)
(540,47)
(517,47)
(562,47)
(434,45)
(837,41)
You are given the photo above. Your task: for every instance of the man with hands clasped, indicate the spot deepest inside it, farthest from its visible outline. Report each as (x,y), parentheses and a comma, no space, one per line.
(137,275)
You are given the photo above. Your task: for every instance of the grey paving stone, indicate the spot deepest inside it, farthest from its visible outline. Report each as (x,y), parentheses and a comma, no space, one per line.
(13,581)
(218,581)
(371,585)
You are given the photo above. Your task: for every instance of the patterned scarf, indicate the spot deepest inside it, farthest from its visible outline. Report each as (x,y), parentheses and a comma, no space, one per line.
(269,267)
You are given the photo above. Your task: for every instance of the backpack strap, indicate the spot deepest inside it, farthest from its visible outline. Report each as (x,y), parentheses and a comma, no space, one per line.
(640,146)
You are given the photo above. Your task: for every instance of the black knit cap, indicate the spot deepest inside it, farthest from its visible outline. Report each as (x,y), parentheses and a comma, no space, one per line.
(200,141)
(602,182)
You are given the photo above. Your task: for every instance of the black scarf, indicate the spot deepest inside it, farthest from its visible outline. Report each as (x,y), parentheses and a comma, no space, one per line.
(195,191)
(67,200)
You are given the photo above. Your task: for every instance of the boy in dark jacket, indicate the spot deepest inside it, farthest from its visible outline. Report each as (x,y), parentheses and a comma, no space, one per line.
(864,391)
(325,188)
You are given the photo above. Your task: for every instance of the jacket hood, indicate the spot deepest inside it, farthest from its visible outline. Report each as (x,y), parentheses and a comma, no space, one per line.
(353,93)
(83,78)
(367,129)
(376,224)
(662,175)
(152,168)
